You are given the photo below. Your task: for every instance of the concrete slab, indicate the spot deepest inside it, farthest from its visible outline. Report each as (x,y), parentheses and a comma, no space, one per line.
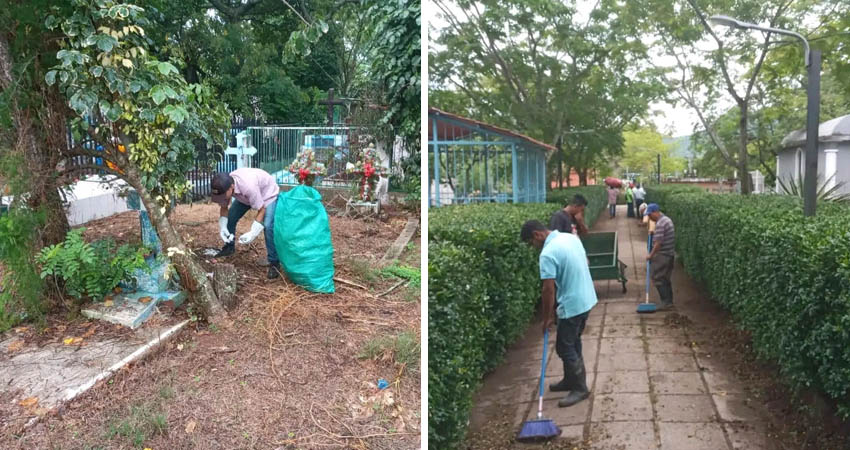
(735,408)
(621,345)
(708,363)
(684,408)
(622,382)
(56,373)
(723,383)
(573,415)
(621,362)
(622,331)
(622,308)
(668,345)
(677,383)
(128,310)
(620,407)
(591,331)
(692,436)
(672,362)
(623,319)
(623,435)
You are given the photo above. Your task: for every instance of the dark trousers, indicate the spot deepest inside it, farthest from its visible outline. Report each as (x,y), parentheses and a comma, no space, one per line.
(612,210)
(662,271)
(238,209)
(630,209)
(568,343)
(638,202)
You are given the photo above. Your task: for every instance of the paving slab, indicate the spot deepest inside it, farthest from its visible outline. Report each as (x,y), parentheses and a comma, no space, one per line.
(621,362)
(549,395)
(668,345)
(622,382)
(677,383)
(621,345)
(672,362)
(723,383)
(622,331)
(621,407)
(692,436)
(622,308)
(573,415)
(623,436)
(622,319)
(660,330)
(735,408)
(684,408)
(509,394)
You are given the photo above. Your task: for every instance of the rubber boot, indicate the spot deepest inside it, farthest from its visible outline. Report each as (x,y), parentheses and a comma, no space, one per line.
(563,385)
(227,250)
(578,377)
(274,271)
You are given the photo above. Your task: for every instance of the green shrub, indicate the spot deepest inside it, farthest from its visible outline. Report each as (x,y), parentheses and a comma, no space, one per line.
(90,270)
(482,290)
(22,287)
(784,277)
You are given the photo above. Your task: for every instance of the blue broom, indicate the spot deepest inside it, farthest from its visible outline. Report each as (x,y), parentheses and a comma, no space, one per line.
(540,429)
(645,308)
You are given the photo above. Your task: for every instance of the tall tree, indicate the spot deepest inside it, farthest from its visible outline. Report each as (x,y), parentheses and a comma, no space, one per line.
(539,68)
(641,149)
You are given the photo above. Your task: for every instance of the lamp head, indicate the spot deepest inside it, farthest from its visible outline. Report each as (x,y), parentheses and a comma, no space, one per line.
(726,20)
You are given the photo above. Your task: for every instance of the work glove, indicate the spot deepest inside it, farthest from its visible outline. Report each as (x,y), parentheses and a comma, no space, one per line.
(256,229)
(226,236)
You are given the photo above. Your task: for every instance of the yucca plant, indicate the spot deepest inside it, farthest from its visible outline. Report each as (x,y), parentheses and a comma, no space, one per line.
(794,187)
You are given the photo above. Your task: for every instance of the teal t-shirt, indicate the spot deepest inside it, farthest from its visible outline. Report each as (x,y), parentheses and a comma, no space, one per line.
(564,260)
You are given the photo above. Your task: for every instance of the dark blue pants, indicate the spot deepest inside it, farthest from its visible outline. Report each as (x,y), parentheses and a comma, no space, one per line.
(238,209)
(568,343)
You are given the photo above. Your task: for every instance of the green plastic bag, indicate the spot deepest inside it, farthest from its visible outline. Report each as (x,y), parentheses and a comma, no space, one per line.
(302,237)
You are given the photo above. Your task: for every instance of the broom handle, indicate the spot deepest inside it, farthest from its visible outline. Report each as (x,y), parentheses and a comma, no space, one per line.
(542,374)
(648,249)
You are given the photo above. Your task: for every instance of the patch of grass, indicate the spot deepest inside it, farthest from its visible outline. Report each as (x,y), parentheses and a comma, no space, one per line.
(402,348)
(166,392)
(364,270)
(411,294)
(141,422)
(406,272)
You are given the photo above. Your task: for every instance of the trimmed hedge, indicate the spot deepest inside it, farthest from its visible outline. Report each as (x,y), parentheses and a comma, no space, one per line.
(482,290)
(784,277)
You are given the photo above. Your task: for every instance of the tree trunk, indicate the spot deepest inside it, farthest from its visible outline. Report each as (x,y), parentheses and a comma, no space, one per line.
(193,277)
(744,174)
(582,177)
(569,172)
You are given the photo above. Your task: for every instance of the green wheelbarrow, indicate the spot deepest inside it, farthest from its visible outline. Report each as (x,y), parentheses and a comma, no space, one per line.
(601,249)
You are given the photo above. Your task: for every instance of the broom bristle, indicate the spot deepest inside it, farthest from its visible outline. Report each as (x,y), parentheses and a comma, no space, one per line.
(538,430)
(646,308)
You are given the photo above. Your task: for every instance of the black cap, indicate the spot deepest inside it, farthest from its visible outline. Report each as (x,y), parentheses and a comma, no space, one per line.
(221,182)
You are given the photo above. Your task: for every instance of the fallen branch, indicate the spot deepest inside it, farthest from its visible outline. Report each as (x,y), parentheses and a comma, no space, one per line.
(393,288)
(350,283)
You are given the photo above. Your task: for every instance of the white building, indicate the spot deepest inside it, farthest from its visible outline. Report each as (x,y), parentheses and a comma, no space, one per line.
(833,155)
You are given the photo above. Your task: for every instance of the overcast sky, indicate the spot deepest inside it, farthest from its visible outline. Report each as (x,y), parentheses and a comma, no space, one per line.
(671,120)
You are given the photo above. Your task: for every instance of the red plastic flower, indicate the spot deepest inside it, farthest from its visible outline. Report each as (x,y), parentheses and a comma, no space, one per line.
(368,170)
(303,174)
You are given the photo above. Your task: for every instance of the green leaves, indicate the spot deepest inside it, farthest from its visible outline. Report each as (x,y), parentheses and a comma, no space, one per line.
(166,68)
(177,114)
(474,311)
(161,92)
(105,42)
(783,277)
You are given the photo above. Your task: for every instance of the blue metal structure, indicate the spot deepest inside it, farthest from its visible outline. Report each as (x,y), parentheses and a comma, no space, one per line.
(474,162)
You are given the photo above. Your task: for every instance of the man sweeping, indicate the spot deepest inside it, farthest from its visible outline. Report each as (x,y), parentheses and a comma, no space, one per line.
(250,189)
(572,215)
(662,255)
(565,273)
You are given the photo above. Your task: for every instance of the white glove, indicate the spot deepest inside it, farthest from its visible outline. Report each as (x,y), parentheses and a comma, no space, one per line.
(256,229)
(225,235)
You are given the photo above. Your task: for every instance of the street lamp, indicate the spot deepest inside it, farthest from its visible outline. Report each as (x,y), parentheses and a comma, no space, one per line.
(813,64)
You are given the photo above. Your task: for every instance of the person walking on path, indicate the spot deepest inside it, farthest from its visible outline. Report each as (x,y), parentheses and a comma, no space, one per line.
(572,215)
(630,200)
(250,189)
(662,255)
(640,196)
(612,200)
(565,273)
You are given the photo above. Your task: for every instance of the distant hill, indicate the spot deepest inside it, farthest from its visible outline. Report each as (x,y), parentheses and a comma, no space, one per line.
(681,146)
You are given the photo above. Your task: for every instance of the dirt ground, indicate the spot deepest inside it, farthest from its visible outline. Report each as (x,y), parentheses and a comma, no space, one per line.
(289,369)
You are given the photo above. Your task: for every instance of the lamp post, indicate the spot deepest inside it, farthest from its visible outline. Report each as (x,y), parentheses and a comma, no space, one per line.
(813,64)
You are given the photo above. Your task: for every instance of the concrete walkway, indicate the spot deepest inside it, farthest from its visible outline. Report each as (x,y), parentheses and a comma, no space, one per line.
(652,386)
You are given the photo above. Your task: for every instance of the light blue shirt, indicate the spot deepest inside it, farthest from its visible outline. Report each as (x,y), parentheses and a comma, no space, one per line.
(563,259)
